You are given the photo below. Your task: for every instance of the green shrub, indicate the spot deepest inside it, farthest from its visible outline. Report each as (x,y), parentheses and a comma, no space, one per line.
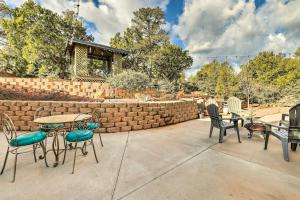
(167,86)
(130,80)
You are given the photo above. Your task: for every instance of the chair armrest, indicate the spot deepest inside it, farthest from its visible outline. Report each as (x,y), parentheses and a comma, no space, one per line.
(233,118)
(269,126)
(280,127)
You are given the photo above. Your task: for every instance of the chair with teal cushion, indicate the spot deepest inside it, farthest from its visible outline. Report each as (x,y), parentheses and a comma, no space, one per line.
(77,135)
(92,125)
(47,128)
(95,123)
(28,139)
(17,142)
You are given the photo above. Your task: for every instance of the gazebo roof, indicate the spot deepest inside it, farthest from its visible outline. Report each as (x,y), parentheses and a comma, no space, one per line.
(102,47)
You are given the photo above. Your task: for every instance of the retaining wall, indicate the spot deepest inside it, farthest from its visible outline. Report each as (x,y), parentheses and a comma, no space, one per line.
(116,117)
(94,90)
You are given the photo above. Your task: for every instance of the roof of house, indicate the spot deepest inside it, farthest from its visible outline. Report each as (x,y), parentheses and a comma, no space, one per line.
(74,42)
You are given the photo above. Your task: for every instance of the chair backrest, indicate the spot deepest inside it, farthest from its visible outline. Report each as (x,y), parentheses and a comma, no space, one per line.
(213,112)
(201,107)
(8,127)
(96,114)
(78,124)
(234,105)
(294,116)
(294,122)
(42,112)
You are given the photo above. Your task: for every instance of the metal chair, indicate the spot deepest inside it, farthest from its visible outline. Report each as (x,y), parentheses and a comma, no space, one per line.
(17,143)
(50,129)
(218,122)
(95,123)
(79,133)
(289,134)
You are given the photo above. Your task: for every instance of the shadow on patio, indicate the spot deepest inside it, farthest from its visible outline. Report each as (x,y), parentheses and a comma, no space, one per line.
(174,162)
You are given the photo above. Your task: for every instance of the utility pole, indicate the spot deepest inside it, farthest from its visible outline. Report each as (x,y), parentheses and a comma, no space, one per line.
(75,18)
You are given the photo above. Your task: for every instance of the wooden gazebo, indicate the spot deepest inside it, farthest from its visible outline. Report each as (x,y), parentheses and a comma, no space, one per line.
(81,51)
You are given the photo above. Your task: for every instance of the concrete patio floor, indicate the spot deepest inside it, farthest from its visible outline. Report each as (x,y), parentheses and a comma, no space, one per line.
(174,162)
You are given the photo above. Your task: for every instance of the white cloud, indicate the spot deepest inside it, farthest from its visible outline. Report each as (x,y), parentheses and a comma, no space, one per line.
(14,2)
(236,27)
(111,17)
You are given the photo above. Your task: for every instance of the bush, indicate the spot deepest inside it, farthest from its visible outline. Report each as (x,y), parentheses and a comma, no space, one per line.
(130,80)
(167,86)
(188,87)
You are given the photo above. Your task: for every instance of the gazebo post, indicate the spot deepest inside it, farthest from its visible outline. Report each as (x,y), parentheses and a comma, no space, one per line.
(109,65)
(117,63)
(81,61)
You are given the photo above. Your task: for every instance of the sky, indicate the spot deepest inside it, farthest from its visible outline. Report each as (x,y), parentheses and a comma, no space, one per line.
(232,30)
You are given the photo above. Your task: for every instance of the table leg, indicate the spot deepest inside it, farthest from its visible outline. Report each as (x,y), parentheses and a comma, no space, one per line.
(55,148)
(83,149)
(250,134)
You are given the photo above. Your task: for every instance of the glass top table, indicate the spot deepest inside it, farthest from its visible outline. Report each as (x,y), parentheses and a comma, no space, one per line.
(55,119)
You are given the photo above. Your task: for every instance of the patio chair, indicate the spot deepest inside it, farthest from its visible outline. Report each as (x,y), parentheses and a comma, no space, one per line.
(50,129)
(235,108)
(218,122)
(77,135)
(201,109)
(95,123)
(17,143)
(289,134)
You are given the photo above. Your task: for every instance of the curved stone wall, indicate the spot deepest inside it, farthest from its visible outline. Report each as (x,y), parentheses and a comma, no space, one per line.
(116,117)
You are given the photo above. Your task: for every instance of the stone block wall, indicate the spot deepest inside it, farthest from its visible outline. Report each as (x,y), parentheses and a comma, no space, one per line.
(115,117)
(94,90)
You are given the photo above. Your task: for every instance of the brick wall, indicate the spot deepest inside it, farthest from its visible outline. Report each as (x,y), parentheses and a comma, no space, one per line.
(83,89)
(115,117)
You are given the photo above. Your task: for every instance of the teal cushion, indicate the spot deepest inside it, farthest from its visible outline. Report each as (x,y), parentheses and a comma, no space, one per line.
(79,135)
(92,125)
(53,126)
(28,138)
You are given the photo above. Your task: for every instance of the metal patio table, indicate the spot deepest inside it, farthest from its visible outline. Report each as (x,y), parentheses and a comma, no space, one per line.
(56,119)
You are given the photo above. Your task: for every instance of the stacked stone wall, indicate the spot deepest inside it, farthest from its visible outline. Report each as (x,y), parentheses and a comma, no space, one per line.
(93,90)
(115,117)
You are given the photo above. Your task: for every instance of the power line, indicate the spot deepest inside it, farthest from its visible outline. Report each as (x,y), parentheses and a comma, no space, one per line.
(239,56)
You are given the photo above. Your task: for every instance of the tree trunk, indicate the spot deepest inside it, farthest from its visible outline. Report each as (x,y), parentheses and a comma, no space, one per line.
(248,101)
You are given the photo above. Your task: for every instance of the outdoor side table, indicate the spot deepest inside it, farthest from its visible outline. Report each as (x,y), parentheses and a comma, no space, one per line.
(55,119)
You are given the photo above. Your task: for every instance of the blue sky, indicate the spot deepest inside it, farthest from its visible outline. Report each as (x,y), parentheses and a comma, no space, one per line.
(206,28)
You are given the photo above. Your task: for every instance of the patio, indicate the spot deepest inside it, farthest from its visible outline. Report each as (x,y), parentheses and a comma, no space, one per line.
(174,162)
